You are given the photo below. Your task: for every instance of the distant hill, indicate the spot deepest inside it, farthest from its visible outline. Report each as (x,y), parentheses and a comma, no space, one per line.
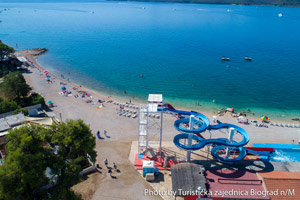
(238,2)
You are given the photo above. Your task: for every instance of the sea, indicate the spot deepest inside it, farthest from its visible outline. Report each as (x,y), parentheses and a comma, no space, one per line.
(170,49)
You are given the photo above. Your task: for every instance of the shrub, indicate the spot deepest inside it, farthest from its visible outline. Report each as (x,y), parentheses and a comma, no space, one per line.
(7,106)
(22,110)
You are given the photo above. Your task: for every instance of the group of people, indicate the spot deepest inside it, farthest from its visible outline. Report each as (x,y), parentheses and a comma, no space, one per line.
(98,134)
(110,169)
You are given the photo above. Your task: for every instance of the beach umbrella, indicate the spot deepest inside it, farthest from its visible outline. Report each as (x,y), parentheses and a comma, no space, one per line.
(63,88)
(48,79)
(49,102)
(264,118)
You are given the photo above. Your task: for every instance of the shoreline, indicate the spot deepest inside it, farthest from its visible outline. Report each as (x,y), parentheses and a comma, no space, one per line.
(119,132)
(203,109)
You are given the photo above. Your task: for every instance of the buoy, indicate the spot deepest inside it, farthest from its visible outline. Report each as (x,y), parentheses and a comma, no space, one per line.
(141,75)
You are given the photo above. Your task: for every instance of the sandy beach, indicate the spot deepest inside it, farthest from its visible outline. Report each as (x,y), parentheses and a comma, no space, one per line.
(120,132)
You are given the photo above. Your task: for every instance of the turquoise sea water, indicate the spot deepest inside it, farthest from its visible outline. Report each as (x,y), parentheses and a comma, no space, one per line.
(177,47)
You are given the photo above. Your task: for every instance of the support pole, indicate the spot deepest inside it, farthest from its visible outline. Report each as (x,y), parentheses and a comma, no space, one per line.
(230,138)
(190,138)
(161,126)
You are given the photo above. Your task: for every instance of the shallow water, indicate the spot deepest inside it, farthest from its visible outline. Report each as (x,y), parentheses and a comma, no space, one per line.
(177,47)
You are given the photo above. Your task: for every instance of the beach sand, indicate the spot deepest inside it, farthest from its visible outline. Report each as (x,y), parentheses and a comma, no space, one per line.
(121,132)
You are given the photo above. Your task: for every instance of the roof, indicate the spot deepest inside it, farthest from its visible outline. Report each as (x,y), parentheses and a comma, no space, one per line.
(287,184)
(14,120)
(155,98)
(21,59)
(40,120)
(186,178)
(235,184)
(280,175)
(148,164)
(10,122)
(3,125)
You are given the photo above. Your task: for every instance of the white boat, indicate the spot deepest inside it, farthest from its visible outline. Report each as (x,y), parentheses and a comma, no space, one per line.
(225,59)
(280,15)
(248,58)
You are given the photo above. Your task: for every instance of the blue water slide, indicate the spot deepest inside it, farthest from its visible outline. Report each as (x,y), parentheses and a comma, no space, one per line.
(219,144)
(203,121)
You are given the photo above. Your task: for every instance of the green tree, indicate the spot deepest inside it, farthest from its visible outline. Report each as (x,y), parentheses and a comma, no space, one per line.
(15,86)
(23,172)
(5,50)
(7,106)
(75,140)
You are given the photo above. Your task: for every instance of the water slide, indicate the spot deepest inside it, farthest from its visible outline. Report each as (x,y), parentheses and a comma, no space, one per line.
(220,144)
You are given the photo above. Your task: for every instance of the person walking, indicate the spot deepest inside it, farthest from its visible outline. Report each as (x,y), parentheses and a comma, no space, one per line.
(115,166)
(98,134)
(105,162)
(110,172)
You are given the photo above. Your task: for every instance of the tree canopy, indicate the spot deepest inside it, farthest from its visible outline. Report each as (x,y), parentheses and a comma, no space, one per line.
(7,106)
(15,86)
(25,164)
(5,50)
(75,141)
(28,157)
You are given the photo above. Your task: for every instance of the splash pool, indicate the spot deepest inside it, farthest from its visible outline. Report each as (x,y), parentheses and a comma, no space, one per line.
(283,152)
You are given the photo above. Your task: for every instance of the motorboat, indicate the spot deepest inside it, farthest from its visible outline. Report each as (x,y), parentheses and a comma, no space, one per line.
(225,59)
(248,58)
